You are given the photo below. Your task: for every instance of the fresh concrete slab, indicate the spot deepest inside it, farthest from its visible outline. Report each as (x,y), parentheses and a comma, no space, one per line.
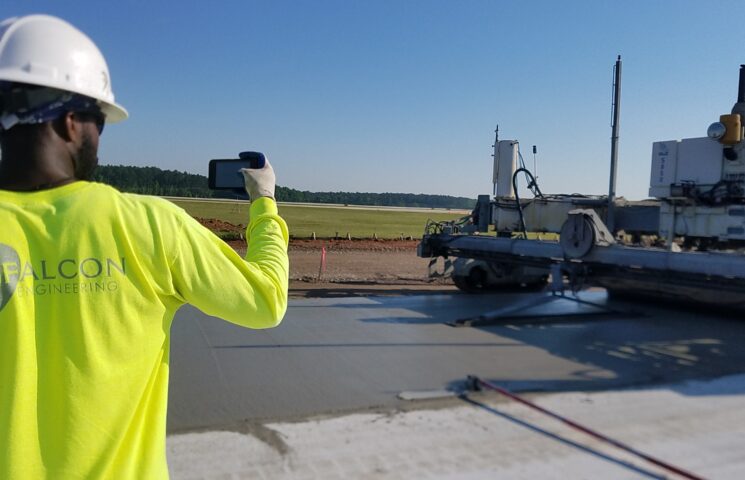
(338,355)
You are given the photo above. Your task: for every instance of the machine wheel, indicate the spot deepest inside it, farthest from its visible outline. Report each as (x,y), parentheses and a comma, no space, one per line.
(477,276)
(474,282)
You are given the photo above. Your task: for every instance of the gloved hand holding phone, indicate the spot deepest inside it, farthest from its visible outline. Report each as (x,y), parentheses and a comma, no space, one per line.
(259,181)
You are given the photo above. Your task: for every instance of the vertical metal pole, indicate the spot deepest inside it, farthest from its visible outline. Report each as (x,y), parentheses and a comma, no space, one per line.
(496,156)
(610,220)
(739,107)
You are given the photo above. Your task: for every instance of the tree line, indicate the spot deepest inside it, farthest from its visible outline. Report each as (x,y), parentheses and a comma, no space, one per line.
(155,181)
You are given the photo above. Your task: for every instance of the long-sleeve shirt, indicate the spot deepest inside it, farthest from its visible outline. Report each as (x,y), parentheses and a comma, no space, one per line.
(90,279)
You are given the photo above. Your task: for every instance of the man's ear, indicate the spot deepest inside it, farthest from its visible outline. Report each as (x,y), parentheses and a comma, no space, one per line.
(66,127)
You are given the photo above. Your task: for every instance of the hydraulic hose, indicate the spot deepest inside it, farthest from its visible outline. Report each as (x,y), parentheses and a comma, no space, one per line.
(532,185)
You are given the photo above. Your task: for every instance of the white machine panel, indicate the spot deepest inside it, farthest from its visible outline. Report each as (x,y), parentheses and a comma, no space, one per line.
(699,161)
(724,223)
(664,162)
(505,164)
(691,160)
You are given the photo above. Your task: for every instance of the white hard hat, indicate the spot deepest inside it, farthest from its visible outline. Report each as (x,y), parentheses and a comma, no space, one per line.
(49,52)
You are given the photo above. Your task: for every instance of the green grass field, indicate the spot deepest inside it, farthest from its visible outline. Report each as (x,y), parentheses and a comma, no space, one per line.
(327,221)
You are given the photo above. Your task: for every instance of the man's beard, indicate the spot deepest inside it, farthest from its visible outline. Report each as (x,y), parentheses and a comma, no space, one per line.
(87,159)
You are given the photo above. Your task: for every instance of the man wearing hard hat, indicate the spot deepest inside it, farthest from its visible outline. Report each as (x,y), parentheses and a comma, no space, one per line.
(90,277)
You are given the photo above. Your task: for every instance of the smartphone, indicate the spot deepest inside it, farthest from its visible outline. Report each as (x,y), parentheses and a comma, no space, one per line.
(225,174)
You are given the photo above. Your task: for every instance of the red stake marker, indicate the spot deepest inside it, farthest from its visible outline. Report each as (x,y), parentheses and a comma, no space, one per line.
(322,268)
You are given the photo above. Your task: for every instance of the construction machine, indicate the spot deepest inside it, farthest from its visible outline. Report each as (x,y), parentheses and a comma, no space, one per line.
(687,240)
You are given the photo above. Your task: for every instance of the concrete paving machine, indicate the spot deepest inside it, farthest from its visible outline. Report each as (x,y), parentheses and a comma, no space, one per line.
(688,240)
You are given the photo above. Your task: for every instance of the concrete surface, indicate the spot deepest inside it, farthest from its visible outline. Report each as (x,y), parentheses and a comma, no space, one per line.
(318,397)
(337,355)
(696,426)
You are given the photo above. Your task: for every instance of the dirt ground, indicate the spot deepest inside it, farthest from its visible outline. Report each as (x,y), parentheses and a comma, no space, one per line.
(357,267)
(341,267)
(360,267)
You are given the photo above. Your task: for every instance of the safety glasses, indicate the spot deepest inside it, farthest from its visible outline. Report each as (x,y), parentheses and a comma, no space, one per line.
(95,116)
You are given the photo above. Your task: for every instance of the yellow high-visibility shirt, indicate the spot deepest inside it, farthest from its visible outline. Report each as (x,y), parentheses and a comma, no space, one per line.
(90,279)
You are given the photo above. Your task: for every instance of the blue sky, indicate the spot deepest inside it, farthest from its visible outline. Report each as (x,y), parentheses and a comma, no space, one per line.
(403,96)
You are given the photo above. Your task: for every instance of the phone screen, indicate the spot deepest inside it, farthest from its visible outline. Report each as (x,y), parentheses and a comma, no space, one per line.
(226,174)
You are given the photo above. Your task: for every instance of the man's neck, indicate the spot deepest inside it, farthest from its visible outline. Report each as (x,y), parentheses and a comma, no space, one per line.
(29,185)
(35,164)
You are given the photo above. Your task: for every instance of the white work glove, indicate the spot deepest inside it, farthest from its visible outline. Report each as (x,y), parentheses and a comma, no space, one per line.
(259,181)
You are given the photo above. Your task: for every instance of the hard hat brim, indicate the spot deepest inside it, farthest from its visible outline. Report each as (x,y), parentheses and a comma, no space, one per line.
(114,112)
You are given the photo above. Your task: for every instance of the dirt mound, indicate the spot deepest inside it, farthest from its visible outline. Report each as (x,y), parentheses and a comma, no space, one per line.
(220,226)
(356,244)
